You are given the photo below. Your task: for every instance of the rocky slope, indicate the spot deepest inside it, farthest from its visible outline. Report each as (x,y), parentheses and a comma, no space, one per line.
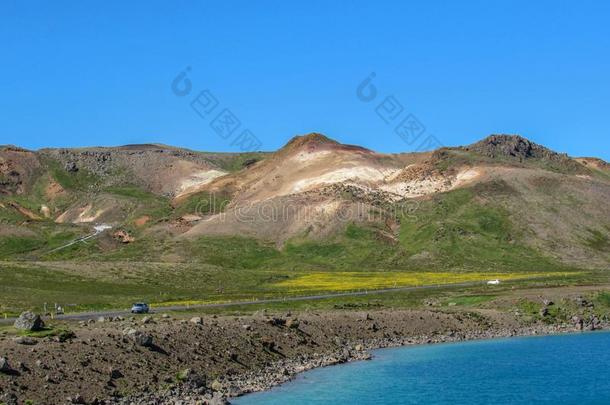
(314,186)
(18,167)
(208,359)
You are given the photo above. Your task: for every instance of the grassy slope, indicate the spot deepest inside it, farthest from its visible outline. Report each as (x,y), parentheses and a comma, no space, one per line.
(234,162)
(457,232)
(452,232)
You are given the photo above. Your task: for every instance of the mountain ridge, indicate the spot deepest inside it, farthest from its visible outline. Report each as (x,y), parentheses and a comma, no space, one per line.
(313,189)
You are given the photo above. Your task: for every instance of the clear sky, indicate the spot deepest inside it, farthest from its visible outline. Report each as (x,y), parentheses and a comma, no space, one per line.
(100,73)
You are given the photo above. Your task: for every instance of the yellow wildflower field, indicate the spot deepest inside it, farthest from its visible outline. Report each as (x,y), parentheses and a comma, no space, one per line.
(348,281)
(185,303)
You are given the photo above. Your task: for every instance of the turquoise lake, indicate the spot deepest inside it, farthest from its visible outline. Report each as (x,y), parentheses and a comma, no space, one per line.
(563,369)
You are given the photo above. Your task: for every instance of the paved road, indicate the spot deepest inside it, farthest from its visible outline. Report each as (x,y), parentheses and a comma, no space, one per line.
(82,316)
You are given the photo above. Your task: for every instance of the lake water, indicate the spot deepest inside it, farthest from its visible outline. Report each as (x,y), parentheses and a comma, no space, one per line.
(565,369)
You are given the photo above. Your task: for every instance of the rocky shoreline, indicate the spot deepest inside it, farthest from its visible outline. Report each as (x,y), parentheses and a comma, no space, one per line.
(209,359)
(286,370)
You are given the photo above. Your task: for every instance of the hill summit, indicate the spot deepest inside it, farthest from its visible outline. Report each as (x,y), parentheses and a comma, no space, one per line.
(312,138)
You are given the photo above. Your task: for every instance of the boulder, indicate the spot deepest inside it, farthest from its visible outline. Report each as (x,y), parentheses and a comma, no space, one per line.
(184,374)
(292,323)
(216,385)
(138,337)
(594,323)
(191,378)
(197,320)
(71,167)
(277,322)
(578,322)
(268,343)
(4,366)
(218,399)
(115,373)
(583,302)
(29,321)
(77,399)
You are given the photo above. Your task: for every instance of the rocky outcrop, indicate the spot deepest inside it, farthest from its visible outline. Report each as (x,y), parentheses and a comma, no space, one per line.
(18,169)
(123,236)
(518,148)
(512,146)
(156,168)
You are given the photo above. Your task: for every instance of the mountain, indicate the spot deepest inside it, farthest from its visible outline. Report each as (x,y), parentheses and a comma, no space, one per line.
(313,186)
(502,201)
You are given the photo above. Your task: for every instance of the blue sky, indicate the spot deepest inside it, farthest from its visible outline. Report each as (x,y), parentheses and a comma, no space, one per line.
(100,73)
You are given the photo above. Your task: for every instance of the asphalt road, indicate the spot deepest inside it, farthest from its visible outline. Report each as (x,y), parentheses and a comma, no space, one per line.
(82,316)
